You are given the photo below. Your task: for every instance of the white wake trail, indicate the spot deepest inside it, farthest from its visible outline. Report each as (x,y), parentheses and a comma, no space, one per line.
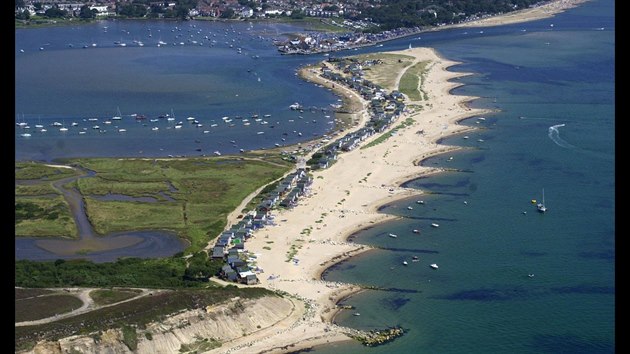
(554,135)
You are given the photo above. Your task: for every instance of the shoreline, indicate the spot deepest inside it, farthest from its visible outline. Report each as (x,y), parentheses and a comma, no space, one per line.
(546,10)
(298,336)
(314,227)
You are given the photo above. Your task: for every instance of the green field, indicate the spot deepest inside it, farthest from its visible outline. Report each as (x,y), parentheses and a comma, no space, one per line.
(207,190)
(412,80)
(203,192)
(43,216)
(36,170)
(386,72)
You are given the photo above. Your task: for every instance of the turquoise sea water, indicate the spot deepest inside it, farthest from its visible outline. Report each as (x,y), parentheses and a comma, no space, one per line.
(553,85)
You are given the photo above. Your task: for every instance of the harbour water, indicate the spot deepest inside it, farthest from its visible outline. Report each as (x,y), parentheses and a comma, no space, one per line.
(229,77)
(553,87)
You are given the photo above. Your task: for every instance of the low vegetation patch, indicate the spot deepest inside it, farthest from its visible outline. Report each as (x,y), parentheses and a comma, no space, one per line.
(36,170)
(25,293)
(200,345)
(128,272)
(110,296)
(36,308)
(133,314)
(43,216)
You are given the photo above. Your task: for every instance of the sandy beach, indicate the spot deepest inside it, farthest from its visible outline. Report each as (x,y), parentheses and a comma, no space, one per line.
(344,198)
(536,13)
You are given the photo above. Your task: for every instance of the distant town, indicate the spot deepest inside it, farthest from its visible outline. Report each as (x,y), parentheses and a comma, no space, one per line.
(351,23)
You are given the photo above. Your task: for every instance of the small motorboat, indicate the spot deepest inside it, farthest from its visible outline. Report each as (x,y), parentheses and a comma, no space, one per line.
(433,265)
(405,263)
(435,225)
(393,235)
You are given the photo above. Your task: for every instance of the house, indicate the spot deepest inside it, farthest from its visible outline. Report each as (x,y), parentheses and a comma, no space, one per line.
(251,279)
(246,12)
(231,276)
(218,252)
(248,277)
(260,220)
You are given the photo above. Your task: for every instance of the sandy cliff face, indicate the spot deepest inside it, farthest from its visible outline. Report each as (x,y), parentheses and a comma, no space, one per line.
(194,329)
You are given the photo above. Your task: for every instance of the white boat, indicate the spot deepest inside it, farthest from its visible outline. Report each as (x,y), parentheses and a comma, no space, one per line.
(122,130)
(416,231)
(410,208)
(155,128)
(63,129)
(25,135)
(420,202)
(393,235)
(541,206)
(433,265)
(405,263)
(119,116)
(435,225)
(217,153)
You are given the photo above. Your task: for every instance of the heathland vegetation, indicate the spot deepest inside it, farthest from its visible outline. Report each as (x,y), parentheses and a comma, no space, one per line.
(132,317)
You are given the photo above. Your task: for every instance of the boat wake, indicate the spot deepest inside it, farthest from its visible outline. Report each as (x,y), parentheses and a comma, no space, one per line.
(554,134)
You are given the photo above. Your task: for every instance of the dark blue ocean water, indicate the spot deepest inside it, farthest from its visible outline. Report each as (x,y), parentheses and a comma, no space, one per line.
(554,87)
(555,130)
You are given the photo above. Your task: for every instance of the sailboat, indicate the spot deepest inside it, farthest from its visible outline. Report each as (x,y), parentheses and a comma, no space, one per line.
(541,206)
(119,116)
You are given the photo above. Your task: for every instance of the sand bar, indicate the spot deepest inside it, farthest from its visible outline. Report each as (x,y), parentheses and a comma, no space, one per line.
(344,198)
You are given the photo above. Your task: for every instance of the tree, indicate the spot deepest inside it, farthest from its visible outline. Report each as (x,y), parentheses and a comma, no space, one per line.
(87,13)
(228,13)
(55,12)
(24,15)
(297,14)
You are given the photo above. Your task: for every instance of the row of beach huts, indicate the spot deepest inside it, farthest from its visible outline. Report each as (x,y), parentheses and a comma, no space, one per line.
(230,245)
(384,109)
